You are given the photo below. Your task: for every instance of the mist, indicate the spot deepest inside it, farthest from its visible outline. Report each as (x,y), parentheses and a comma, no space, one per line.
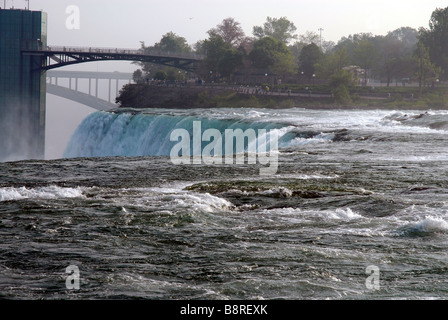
(62,118)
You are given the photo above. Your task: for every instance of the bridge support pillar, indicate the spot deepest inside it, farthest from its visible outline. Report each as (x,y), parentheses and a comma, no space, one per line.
(22,85)
(96,88)
(110,85)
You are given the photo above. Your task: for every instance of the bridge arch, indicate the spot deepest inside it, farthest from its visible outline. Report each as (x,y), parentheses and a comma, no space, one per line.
(83,86)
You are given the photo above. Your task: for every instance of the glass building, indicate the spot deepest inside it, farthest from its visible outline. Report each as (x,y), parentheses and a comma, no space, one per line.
(22,84)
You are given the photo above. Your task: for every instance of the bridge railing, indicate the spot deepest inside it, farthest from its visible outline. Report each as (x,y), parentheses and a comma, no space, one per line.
(122,51)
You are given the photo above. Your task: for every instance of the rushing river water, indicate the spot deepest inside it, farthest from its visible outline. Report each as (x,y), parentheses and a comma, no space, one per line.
(357,209)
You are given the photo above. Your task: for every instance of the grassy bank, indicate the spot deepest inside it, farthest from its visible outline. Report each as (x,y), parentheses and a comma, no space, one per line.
(402,98)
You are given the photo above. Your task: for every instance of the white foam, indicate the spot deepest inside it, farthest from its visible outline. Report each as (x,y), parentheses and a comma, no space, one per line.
(341,214)
(49,192)
(302,176)
(320,138)
(281,191)
(202,202)
(166,197)
(429,225)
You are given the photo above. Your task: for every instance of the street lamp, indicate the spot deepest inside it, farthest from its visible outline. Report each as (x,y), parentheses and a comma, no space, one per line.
(320,29)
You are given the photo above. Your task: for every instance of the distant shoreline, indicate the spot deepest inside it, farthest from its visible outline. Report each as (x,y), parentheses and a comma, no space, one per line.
(142,96)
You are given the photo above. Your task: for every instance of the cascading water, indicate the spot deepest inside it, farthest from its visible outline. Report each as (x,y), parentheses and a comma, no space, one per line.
(129,134)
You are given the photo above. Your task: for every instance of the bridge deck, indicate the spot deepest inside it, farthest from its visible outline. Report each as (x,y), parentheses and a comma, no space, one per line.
(61,56)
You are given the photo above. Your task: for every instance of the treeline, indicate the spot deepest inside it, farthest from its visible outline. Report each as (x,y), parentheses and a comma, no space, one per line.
(275,49)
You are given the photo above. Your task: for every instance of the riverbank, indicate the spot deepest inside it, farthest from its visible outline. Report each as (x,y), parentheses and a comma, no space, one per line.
(140,96)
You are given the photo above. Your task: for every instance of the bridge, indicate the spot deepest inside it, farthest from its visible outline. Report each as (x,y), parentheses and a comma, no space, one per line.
(55,57)
(85,87)
(59,56)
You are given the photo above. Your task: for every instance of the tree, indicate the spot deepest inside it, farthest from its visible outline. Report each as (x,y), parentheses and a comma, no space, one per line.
(230,31)
(230,60)
(332,63)
(394,60)
(221,58)
(160,75)
(137,76)
(304,39)
(169,43)
(406,35)
(340,82)
(309,37)
(214,48)
(350,43)
(365,55)
(285,65)
(426,70)
(436,39)
(274,55)
(280,29)
(309,57)
(396,49)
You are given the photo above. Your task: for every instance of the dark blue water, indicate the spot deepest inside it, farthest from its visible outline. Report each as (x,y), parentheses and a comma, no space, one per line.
(355,191)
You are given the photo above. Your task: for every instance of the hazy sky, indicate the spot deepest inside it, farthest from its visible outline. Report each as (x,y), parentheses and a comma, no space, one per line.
(125,23)
(113,23)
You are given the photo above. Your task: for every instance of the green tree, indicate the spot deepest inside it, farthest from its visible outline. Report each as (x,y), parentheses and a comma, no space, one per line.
(280,29)
(406,35)
(392,56)
(350,43)
(340,83)
(426,70)
(221,58)
(436,39)
(160,75)
(230,60)
(137,76)
(366,56)
(171,43)
(396,50)
(214,48)
(309,57)
(332,63)
(274,55)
